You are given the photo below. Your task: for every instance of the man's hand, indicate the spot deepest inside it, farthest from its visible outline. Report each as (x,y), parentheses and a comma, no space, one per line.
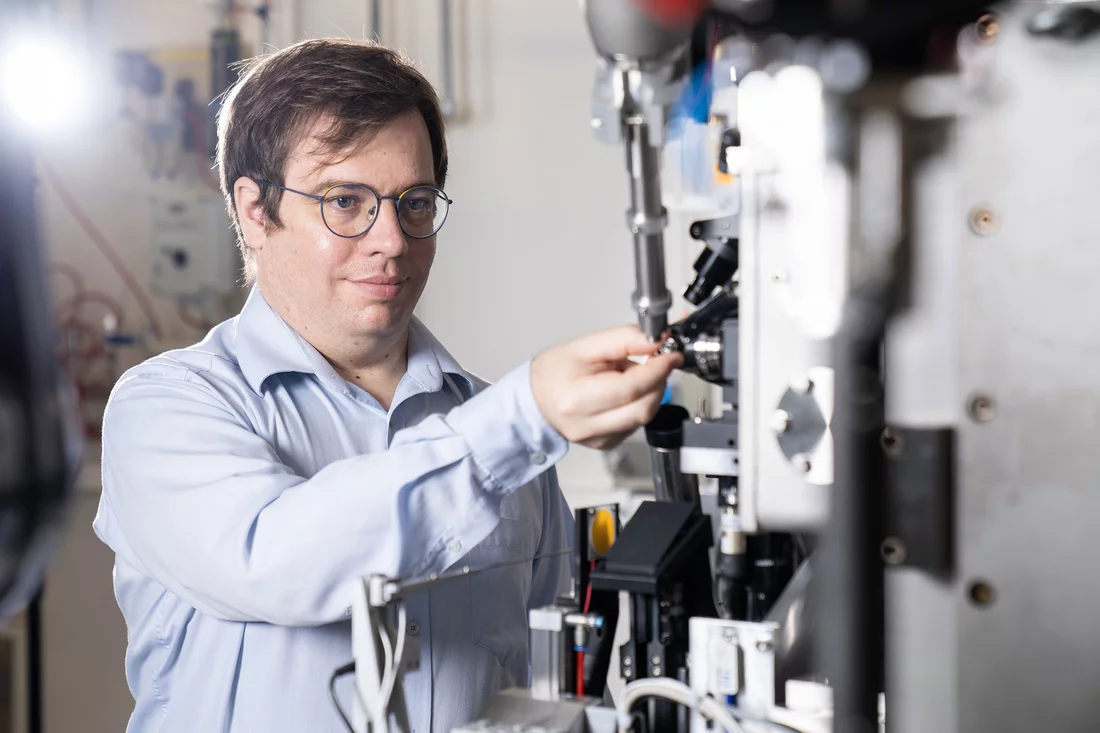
(591,392)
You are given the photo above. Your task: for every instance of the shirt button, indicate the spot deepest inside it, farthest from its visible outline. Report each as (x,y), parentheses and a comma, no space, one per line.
(414,628)
(455,546)
(538,458)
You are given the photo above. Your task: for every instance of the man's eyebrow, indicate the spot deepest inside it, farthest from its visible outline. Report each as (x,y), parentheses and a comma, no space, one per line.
(328,183)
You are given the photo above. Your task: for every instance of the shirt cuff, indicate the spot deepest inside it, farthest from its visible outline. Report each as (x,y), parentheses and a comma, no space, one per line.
(510,439)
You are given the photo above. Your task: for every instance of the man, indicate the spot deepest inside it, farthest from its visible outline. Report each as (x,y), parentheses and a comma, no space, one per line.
(324,434)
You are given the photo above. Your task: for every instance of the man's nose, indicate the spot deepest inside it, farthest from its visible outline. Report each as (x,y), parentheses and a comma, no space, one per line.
(385,235)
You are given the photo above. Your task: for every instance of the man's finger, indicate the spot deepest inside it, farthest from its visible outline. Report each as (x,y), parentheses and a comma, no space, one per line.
(625,419)
(610,390)
(614,344)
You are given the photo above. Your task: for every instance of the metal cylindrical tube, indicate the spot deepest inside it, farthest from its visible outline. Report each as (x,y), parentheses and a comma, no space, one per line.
(665,435)
(669,484)
(646,219)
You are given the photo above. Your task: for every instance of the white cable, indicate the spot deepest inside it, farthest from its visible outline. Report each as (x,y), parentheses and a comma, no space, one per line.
(389,680)
(679,693)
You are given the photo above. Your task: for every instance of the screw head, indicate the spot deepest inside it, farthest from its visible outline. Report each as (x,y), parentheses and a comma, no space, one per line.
(764,645)
(803,463)
(656,659)
(983,221)
(988,28)
(981,593)
(597,123)
(780,421)
(801,385)
(893,551)
(727,637)
(656,671)
(892,443)
(981,408)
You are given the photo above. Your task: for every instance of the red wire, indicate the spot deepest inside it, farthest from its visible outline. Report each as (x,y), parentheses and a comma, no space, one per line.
(92,296)
(588,591)
(77,280)
(580,655)
(105,248)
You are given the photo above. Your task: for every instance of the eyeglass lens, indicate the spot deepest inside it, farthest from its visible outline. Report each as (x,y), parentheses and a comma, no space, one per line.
(350,210)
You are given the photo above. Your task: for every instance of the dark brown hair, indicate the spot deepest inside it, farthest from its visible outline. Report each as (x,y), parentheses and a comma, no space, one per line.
(359,85)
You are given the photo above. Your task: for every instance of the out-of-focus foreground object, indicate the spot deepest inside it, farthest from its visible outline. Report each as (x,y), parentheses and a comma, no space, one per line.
(39,439)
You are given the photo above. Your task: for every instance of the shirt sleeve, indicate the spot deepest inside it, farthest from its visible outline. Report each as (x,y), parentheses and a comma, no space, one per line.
(200,503)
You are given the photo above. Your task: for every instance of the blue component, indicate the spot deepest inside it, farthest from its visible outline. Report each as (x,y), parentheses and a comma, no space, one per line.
(668,395)
(580,649)
(695,101)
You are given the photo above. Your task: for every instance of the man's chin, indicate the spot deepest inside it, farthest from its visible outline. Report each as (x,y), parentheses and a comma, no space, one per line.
(381,318)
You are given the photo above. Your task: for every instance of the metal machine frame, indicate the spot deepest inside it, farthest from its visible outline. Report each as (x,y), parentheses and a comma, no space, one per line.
(902,319)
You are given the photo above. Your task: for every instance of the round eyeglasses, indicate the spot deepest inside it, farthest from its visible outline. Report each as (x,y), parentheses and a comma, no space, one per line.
(350,209)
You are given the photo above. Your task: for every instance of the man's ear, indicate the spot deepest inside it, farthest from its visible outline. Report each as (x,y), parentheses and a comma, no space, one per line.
(246,198)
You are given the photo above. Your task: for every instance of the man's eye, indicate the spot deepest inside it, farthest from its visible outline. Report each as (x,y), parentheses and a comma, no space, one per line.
(345,202)
(416,205)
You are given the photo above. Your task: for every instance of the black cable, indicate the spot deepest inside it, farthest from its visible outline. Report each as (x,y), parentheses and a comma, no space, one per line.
(340,672)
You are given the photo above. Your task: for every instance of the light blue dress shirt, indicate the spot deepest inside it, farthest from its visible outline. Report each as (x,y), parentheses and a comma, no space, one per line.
(246,486)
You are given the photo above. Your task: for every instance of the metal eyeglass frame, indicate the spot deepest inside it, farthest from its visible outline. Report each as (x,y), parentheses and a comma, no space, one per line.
(320,198)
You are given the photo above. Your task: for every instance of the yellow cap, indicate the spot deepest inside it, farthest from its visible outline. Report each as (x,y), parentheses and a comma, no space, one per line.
(603,531)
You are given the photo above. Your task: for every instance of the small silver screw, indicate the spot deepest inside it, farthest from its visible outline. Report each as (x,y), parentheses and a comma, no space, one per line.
(727,637)
(656,660)
(780,421)
(983,221)
(764,645)
(802,463)
(801,385)
(465,569)
(597,123)
(892,443)
(893,551)
(981,408)
(627,661)
(988,27)
(656,671)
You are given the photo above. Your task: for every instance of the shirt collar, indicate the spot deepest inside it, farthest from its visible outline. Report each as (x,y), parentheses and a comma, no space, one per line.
(267,345)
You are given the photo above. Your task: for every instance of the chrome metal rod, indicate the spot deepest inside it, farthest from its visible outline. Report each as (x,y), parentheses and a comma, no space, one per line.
(646,219)
(447,57)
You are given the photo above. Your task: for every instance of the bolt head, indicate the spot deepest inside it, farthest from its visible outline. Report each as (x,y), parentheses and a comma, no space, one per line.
(780,421)
(764,645)
(727,637)
(983,221)
(656,671)
(981,408)
(893,551)
(801,385)
(988,28)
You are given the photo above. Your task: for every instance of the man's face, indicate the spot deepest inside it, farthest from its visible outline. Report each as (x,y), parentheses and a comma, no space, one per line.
(331,287)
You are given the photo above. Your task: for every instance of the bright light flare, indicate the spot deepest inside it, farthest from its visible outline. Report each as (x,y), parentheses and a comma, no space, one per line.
(43,82)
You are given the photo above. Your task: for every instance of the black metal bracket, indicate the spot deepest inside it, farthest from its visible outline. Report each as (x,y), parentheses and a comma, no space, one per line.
(920,499)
